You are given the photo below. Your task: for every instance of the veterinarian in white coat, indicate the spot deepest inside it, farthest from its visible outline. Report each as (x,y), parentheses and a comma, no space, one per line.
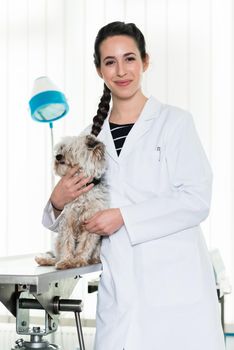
(157,290)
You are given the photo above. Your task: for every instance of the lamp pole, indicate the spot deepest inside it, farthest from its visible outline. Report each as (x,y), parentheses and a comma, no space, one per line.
(52,154)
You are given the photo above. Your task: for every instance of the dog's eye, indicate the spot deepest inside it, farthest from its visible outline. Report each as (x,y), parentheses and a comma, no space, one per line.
(59,157)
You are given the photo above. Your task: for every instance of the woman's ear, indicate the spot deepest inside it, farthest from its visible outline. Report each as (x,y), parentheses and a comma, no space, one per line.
(99,72)
(146,62)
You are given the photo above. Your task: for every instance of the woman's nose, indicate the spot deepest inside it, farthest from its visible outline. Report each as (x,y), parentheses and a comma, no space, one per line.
(121,70)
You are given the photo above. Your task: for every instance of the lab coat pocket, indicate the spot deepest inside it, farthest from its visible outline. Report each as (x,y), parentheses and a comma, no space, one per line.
(173,274)
(145,172)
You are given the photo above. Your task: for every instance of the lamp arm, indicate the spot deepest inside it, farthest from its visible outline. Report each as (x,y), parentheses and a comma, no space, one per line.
(52,155)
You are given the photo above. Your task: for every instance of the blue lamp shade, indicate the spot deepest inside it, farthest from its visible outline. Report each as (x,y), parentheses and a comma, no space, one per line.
(47,103)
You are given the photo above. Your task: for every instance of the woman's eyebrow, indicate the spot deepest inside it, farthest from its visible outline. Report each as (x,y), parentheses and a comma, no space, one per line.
(129,53)
(108,57)
(112,57)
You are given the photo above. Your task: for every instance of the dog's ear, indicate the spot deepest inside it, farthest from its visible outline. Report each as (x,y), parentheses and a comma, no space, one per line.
(91,141)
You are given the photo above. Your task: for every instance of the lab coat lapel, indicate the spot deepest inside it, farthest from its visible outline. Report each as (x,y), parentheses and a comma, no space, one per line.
(150,111)
(106,137)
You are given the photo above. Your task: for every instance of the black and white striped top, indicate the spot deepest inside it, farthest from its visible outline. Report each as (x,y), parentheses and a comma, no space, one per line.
(119,133)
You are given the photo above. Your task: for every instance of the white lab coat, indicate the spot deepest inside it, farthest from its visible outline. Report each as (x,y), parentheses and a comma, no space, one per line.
(157,289)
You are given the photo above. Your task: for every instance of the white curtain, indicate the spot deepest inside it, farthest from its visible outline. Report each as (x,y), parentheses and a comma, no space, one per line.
(190,43)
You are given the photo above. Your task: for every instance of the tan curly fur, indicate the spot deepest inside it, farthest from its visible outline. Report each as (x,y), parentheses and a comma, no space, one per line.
(75,246)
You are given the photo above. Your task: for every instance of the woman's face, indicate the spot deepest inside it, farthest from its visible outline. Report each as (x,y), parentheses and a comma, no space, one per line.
(121,65)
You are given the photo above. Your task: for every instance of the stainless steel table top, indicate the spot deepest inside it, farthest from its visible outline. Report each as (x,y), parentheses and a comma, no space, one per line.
(24,270)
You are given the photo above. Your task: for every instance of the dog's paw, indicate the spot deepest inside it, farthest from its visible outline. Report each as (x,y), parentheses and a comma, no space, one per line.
(38,259)
(94,261)
(46,259)
(81,262)
(65,264)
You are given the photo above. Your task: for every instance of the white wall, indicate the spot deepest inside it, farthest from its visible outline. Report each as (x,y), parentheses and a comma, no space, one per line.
(190,44)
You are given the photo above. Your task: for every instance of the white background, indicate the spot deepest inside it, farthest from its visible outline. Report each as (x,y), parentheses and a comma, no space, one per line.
(190,43)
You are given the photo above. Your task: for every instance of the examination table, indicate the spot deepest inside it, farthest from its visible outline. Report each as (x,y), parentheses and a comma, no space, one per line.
(25,286)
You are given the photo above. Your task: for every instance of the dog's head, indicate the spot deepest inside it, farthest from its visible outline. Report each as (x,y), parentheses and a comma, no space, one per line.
(85,151)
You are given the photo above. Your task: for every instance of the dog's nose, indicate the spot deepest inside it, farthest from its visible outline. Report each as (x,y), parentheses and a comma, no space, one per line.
(59,157)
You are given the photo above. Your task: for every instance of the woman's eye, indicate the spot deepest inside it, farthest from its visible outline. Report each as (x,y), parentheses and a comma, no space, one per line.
(129,59)
(109,63)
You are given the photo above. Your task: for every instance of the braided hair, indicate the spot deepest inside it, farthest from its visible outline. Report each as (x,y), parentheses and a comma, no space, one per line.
(112,29)
(102,112)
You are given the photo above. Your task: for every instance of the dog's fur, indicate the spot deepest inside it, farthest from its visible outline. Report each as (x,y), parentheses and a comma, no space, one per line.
(76,246)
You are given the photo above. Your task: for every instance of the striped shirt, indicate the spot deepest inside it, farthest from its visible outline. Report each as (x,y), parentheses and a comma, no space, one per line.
(119,133)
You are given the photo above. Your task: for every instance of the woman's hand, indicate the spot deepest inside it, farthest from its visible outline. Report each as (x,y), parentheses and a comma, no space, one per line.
(105,222)
(69,188)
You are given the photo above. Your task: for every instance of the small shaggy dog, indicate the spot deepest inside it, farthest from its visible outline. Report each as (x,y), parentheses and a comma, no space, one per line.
(75,246)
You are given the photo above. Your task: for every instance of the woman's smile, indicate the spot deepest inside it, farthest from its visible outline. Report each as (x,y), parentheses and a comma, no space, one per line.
(123,83)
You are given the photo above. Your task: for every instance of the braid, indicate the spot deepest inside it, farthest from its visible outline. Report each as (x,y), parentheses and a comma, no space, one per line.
(102,112)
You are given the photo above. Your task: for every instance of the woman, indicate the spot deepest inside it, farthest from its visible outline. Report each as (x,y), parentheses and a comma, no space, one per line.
(157,289)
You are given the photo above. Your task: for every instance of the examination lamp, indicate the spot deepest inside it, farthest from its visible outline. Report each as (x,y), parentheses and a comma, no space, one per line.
(47,103)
